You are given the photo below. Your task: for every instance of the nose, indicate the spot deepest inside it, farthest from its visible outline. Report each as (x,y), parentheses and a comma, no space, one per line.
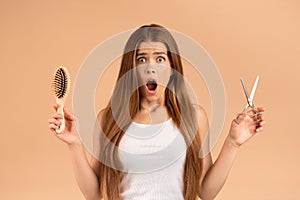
(150,70)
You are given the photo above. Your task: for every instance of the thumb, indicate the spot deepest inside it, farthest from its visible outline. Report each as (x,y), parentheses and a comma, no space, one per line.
(242,116)
(68,115)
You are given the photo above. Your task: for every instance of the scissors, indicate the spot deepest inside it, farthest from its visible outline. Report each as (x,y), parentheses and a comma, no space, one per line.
(249,102)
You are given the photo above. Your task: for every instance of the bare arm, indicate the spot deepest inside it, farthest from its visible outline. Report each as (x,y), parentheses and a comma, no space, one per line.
(85,173)
(213,174)
(216,175)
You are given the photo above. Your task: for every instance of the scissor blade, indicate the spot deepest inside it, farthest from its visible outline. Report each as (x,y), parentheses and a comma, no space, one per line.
(254,88)
(246,91)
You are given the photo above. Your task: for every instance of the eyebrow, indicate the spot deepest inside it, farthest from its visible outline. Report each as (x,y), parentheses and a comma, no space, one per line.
(155,53)
(159,52)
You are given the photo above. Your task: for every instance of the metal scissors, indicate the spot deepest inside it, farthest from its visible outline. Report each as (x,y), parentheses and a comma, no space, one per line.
(249,102)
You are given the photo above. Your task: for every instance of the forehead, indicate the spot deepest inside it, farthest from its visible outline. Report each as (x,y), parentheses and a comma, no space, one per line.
(152,46)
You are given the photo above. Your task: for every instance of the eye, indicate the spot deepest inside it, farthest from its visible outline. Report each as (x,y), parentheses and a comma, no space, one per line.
(141,60)
(160,59)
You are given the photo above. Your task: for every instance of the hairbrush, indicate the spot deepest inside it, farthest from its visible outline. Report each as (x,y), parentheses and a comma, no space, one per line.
(60,87)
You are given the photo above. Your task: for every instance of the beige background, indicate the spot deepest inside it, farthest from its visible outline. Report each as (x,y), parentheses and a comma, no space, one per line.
(257,37)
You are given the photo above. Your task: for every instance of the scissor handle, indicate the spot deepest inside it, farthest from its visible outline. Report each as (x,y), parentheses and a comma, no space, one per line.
(255,116)
(236,119)
(256,113)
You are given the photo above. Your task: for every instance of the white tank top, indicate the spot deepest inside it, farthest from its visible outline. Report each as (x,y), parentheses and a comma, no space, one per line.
(153,157)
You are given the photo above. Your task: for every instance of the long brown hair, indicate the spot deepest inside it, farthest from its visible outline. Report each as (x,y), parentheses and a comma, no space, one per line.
(116,119)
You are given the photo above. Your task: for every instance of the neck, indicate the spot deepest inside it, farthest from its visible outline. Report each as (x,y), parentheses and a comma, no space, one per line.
(151,106)
(152,112)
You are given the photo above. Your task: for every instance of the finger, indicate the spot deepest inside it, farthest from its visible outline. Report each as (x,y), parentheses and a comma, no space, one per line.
(261,109)
(54,121)
(262,123)
(53,127)
(259,129)
(242,116)
(56,116)
(55,133)
(68,114)
(260,117)
(239,118)
(55,106)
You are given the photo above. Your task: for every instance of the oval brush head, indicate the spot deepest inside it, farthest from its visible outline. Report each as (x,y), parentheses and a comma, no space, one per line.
(60,87)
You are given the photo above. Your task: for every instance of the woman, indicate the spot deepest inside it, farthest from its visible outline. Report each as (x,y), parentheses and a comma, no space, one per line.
(151,81)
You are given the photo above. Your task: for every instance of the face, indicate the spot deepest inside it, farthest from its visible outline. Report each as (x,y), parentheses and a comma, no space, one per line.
(154,70)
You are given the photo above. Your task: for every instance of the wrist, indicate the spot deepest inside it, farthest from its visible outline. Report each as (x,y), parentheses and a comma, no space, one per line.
(231,143)
(74,144)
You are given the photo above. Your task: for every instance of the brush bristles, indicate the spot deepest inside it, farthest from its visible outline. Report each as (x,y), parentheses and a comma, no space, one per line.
(60,82)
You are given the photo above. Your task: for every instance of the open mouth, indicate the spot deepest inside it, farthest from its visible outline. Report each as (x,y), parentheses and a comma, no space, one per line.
(151,85)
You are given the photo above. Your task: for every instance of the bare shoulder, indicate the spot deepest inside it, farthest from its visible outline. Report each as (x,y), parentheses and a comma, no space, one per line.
(95,165)
(101,114)
(203,125)
(199,109)
(201,117)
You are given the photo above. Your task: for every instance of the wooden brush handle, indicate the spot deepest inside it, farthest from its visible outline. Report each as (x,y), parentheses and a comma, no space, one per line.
(60,110)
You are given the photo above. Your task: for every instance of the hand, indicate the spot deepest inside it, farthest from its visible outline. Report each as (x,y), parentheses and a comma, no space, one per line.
(69,135)
(240,133)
